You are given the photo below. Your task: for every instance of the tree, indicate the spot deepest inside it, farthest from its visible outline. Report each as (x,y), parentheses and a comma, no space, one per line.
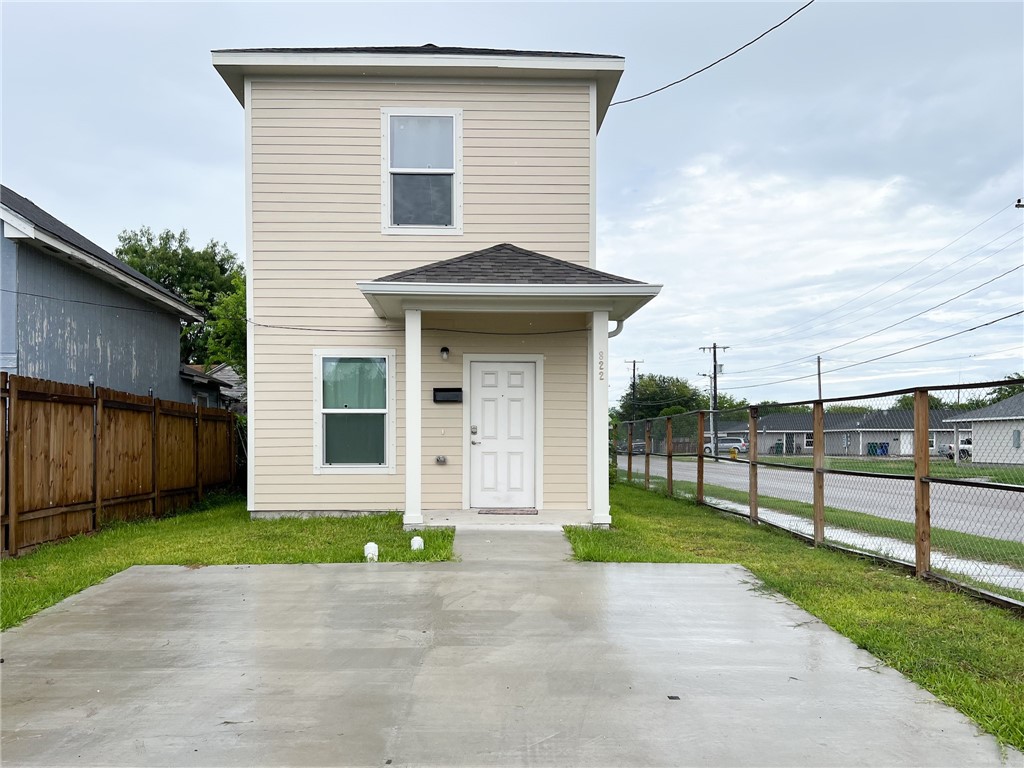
(1007,390)
(772,406)
(848,408)
(655,392)
(906,403)
(199,277)
(228,329)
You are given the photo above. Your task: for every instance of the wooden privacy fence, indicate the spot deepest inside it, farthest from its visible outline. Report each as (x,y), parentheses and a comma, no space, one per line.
(75,458)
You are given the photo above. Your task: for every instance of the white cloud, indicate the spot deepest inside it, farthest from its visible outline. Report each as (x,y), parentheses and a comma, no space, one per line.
(752,259)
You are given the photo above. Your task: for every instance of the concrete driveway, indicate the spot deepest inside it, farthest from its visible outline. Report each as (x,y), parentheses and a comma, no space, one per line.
(514,656)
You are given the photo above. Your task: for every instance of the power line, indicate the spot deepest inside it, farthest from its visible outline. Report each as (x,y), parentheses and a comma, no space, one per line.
(814,319)
(1015,348)
(344,329)
(89,303)
(946,279)
(887,327)
(718,61)
(911,337)
(883,357)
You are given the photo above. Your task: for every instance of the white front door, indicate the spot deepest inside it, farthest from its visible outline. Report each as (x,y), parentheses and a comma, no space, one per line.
(502,426)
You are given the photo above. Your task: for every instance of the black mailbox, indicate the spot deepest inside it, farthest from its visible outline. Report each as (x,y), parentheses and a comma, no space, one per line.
(447,394)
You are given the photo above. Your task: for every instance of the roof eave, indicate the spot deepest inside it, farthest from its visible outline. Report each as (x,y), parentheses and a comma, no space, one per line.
(235,66)
(390,299)
(47,240)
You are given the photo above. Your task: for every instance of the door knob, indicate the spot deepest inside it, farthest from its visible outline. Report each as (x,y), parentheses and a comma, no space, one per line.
(474,442)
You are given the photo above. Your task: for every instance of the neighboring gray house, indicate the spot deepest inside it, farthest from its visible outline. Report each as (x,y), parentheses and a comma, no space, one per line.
(69,309)
(208,389)
(875,433)
(995,431)
(232,386)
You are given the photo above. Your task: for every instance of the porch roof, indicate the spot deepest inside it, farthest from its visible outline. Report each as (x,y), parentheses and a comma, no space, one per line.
(506,278)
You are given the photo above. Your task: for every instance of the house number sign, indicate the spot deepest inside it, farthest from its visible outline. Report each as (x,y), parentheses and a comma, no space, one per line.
(600,365)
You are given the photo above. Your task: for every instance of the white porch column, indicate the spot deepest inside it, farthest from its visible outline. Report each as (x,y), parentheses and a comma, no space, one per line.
(599,419)
(413,422)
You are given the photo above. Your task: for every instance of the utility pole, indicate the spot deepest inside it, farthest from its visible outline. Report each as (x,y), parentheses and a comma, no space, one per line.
(632,396)
(715,370)
(819,377)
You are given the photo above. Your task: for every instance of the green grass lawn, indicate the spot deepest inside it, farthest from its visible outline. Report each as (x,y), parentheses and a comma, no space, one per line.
(951,542)
(219,532)
(938,466)
(967,653)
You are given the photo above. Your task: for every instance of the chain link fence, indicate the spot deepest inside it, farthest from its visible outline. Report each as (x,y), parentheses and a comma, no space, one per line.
(931,478)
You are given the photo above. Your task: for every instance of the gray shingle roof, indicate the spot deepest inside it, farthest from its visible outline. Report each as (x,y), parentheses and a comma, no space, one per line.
(429,49)
(1010,408)
(45,221)
(507,264)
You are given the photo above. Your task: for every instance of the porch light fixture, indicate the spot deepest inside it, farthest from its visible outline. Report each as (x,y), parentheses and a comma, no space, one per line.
(444,353)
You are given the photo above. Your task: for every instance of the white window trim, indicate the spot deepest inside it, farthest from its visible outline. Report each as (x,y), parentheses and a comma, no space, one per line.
(319,468)
(386,227)
(808,440)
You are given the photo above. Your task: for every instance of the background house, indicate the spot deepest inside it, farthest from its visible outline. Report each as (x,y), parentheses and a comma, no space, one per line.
(70,310)
(873,433)
(995,431)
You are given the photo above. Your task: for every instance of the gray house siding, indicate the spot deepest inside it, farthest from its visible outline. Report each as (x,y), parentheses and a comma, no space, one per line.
(8,306)
(71,324)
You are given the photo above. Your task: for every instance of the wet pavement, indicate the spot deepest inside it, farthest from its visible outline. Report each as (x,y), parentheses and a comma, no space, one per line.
(514,655)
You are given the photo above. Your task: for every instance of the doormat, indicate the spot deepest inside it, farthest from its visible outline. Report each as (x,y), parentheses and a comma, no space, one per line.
(506,511)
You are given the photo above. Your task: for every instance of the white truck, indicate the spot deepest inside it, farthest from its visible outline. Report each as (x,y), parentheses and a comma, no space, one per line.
(965,452)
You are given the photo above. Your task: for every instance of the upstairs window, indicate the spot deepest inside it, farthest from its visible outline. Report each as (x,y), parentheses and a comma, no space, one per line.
(422,171)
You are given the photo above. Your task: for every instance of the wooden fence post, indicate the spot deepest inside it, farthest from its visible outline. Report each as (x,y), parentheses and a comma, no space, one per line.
(647,454)
(629,452)
(232,449)
(4,482)
(819,472)
(199,451)
(752,456)
(922,490)
(700,458)
(97,464)
(16,480)
(668,450)
(156,457)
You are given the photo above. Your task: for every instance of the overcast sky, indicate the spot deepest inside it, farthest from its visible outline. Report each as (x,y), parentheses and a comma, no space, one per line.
(783,197)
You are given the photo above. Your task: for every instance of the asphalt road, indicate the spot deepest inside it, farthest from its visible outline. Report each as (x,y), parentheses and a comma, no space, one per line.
(983,512)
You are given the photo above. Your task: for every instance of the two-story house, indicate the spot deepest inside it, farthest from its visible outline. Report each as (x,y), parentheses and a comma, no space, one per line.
(428,329)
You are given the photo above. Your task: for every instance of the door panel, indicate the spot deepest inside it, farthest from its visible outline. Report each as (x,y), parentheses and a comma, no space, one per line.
(503,447)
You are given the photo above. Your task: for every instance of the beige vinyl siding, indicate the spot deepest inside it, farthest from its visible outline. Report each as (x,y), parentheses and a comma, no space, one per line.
(564,389)
(316,231)
(285,479)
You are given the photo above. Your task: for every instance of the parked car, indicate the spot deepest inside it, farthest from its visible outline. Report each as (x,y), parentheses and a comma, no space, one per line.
(966,449)
(638,447)
(725,444)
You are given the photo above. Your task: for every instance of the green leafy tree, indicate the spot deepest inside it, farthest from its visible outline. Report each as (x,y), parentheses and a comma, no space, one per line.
(1007,390)
(198,276)
(906,403)
(655,392)
(772,406)
(848,408)
(227,328)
